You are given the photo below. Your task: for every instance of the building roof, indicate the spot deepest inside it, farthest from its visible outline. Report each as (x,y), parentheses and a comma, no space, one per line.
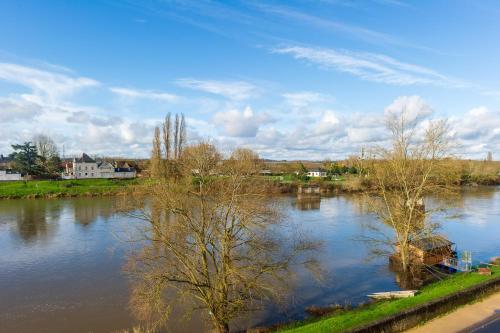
(85,159)
(432,242)
(104,163)
(124,169)
(122,164)
(316,170)
(5,159)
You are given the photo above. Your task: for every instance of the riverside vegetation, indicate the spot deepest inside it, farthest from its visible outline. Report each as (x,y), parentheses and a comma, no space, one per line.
(64,188)
(349,319)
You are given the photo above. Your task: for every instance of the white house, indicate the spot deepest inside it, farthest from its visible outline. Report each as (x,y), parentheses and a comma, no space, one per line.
(7,175)
(86,167)
(317,173)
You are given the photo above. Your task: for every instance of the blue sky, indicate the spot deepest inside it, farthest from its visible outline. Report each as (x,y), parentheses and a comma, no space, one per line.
(291,79)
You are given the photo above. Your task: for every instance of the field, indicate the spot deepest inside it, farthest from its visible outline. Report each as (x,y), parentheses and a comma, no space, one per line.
(357,317)
(63,188)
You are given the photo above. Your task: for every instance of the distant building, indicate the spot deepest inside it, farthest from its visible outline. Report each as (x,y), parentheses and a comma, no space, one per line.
(8,175)
(489,157)
(86,167)
(5,162)
(318,172)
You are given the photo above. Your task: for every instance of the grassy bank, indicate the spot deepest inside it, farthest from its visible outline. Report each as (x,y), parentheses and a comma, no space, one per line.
(63,188)
(354,318)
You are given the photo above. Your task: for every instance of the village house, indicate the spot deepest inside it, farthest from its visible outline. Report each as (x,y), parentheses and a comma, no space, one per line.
(317,172)
(86,167)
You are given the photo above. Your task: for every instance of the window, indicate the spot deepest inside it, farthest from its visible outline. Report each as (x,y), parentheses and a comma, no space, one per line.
(92,174)
(85,173)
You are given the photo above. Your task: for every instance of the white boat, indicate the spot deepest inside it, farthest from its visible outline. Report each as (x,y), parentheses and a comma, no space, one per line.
(393,294)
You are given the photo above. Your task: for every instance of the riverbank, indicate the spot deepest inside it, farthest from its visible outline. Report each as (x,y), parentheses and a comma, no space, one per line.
(64,188)
(364,315)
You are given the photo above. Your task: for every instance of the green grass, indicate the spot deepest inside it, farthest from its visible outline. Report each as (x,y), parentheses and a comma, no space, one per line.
(364,315)
(63,188)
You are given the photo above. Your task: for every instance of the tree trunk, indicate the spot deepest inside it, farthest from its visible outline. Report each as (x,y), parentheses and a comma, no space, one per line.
(222,327)
(403,251)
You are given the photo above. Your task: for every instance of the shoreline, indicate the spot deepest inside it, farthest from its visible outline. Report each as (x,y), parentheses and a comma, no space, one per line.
(65,188)
(54,189)
(434,299)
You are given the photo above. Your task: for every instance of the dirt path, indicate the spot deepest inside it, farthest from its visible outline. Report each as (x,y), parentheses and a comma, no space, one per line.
(462,318)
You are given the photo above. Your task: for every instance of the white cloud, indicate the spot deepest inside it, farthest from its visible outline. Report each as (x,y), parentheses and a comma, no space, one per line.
(366,135)
(478,131)
(240,123)
(148,94)
(234,90)
(328,124)
(414,107)
(50,85)
(305,98)
(369,66)
(12,110)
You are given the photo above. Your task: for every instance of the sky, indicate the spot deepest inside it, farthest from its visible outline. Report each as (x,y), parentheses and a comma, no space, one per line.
(292,79)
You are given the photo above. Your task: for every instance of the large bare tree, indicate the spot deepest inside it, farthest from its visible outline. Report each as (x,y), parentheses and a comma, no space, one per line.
(210,241)
(415,165)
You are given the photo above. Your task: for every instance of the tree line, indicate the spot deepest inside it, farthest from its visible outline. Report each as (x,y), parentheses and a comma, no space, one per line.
(169,141)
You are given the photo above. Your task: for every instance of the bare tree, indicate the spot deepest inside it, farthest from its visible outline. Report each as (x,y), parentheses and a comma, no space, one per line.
(167,136)
(48,154)
(182,135)
(176,136)
(46,147)
(156,162)
(416,165)
(210,242)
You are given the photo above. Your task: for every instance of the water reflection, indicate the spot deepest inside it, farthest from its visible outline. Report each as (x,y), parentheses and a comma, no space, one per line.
(86,211)
(34,219)
(308,203)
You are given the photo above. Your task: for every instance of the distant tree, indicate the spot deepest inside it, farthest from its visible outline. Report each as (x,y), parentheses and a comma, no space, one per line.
(164,164)
(156,165)
(25,158)
(182,136)
(45,146)
(302,168)
(48,155)
(176,136)
(167,136)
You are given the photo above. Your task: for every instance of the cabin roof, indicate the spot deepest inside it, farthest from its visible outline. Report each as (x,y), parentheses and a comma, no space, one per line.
(432,242)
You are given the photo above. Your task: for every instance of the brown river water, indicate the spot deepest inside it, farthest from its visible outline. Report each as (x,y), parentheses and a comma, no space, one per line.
(61,260)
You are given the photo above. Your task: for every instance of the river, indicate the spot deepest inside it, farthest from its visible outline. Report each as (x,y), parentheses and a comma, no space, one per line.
(61,260)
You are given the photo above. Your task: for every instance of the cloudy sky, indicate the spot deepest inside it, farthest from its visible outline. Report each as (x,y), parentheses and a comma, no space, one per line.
(292,79)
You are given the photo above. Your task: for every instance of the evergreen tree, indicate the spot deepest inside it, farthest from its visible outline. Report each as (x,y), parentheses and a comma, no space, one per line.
(25,158)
